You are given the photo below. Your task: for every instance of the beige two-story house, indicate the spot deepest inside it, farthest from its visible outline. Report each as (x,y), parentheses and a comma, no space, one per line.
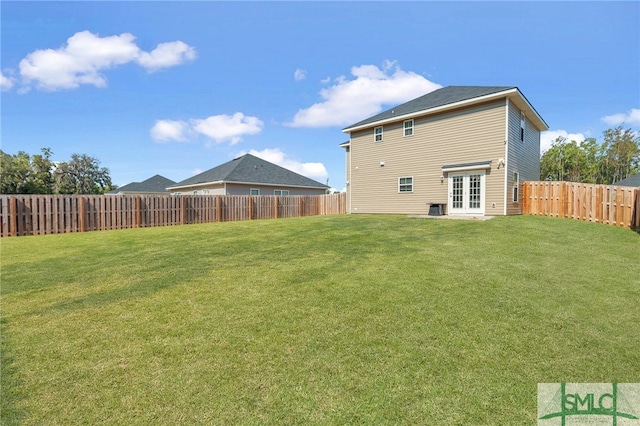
(464,149)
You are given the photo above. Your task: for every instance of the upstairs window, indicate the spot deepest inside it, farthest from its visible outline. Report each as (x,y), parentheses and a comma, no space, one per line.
(522,124)
(516,186)
(377,134)
(405,184)
(408,128)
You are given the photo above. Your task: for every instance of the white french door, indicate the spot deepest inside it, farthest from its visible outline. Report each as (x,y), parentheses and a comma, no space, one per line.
(466,193)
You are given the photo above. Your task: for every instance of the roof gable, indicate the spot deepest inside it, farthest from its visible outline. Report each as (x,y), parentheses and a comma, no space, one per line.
(155,183)
(449,96)
(250,169)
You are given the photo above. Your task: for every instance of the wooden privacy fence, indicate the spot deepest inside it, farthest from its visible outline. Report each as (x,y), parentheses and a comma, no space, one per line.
(55,214)
(612,205)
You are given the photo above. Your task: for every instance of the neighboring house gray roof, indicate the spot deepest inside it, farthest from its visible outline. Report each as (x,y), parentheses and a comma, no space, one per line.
(154,184)
(633,180)
(439,98)
(250,169)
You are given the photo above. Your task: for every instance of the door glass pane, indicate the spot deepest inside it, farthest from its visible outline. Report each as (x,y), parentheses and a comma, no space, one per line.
(474,191)
(457,192)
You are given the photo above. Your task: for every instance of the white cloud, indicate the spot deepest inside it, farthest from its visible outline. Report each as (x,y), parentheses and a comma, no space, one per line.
(315,171)
(227,128)
(325,80)
(86,55)
(549,136)
(6,82)
(169,130)
(299,74)
(196,172)
(219,128)
(349,101)
(167,55)
(631,118)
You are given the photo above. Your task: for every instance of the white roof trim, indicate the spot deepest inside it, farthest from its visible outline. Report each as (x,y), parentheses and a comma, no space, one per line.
(194,185)
(462,167)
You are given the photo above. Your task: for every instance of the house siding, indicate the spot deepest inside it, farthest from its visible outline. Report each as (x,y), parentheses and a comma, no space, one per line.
(524,157)
(465,135)
(237,189)
(199,190)
(243,189)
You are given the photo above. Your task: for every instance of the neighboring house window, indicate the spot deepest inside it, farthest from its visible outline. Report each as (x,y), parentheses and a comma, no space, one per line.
(408,128)
(281,192)
(377,134)
(254,191)
(516,184)
(522,124)
(405,184)
(195,192)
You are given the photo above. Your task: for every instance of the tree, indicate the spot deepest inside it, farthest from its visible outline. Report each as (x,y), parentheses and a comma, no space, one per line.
(24,174)
(81,175)
(620,154)
(568,160)
(617,158)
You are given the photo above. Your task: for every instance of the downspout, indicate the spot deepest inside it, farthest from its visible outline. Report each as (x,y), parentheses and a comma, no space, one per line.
(506,159)
(350,177)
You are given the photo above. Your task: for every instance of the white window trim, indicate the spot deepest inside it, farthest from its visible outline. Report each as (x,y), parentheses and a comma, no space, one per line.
(254,189)
(515,190)
(375,135)
(404,128)
(281,192)
(523,125)
(405,184)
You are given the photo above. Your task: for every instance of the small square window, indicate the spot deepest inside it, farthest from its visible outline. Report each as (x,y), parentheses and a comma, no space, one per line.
(408,128)
(254,191)
(377,134)
(405,184)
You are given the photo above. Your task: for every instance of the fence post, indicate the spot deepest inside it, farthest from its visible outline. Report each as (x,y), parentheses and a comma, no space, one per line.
(13,216)
(138,211)
(250,207)
(182,210)
(82,214)
(275,206)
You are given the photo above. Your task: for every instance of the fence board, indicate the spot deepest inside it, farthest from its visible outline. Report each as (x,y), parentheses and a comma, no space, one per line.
(607,204)
(54,214)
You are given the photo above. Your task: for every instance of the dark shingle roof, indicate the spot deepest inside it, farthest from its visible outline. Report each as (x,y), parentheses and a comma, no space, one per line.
(446,95)
(633,180)
(251,169)
(154,184)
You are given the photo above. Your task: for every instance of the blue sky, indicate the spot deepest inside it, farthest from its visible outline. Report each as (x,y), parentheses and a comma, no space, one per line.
(175,88)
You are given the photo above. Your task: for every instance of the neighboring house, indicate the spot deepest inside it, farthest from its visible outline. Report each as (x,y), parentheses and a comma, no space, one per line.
(466,147)
(154,185)
(248,175)
(633,180)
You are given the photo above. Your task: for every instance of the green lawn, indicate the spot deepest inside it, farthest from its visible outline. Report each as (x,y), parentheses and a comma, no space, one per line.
(318,320)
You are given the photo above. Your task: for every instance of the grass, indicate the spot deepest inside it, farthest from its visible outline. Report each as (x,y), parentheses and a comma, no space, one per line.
(318,320)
